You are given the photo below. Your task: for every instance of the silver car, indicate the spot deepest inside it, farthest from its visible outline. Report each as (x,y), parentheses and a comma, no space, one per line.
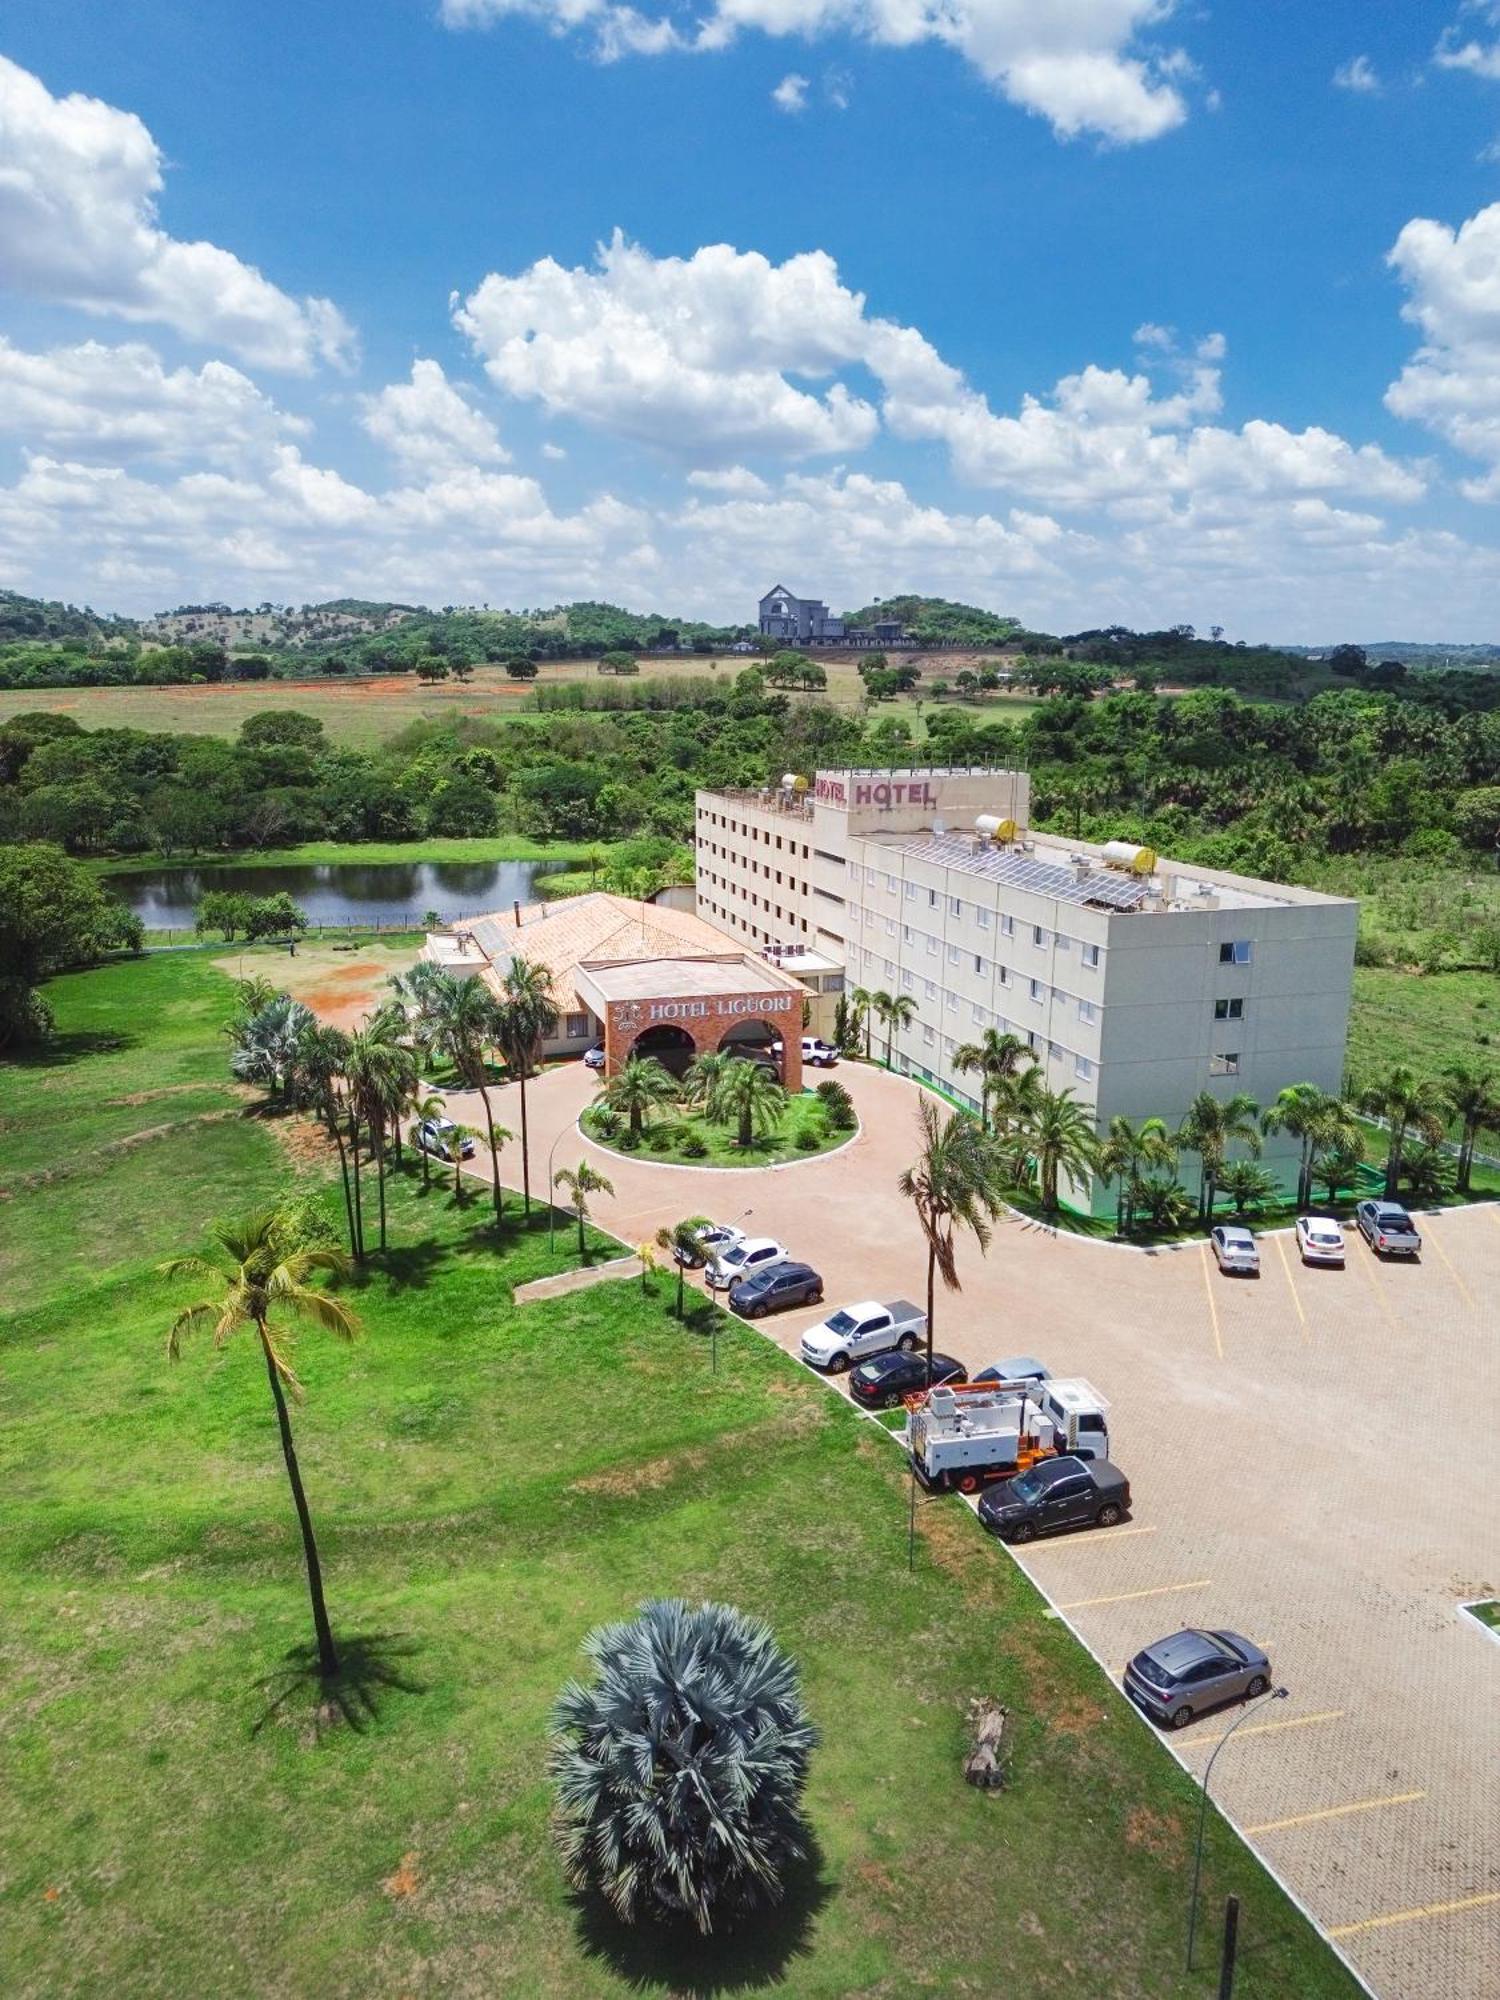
(1181,1676)
(1235,1250)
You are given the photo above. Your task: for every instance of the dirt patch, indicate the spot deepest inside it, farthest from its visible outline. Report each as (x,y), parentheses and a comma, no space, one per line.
(1077,1716)
(304,1141)
(621,1481)
(136,1097)
(340,987)
(1153,1831)
(879,1879)
(405,1881)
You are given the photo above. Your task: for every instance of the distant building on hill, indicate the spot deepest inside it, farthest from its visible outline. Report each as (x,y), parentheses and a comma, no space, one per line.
(800,621)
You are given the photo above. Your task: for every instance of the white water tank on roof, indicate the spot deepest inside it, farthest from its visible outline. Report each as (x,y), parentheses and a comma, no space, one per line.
(989,827)
(1125,854)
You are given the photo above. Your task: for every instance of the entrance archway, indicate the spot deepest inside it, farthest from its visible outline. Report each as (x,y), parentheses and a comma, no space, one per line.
(673,1048)
(757,1041)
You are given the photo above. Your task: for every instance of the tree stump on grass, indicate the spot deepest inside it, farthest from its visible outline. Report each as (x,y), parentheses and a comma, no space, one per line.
(982,1765)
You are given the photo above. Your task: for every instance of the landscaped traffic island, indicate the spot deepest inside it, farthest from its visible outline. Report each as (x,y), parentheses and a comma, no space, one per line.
(690,1138)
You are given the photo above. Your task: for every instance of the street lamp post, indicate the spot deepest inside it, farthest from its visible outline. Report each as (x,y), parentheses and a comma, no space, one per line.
(551,1204)
(1271,1694)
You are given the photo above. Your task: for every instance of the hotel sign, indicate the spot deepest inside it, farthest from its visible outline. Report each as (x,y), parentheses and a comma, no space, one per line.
(876,792)
(629,1014)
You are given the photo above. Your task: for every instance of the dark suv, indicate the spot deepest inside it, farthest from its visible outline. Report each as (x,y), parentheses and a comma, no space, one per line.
(887,1379)
(777,1286)
(1059,1493)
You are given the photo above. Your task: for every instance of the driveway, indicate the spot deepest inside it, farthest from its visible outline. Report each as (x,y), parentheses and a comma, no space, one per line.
(1313,1462)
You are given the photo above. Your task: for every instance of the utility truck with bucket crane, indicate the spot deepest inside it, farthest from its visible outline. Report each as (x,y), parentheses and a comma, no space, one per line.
(963,1436)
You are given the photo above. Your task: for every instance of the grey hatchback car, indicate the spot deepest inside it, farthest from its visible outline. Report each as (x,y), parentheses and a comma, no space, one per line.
(1181,1676)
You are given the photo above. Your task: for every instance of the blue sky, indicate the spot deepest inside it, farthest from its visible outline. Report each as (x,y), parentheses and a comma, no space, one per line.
(1148,312)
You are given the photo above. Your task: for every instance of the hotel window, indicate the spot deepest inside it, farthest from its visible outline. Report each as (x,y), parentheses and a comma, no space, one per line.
(911,892)
(953,954)
(906,933)
(1002,975)
(1229,1010)
(890,883)
(978,963)
(932,899)
(890,926)
(929,987)
(1082,1066)
(1007,927)
(1038,991)
(927,1036)
(955,906)
(1086,1010)
(576,1026)
(1091,954)
(1038,935)
(932,945)
(908,983)
(1237,953)
(982,918)
(976,1013)
(1227,1064)
(950,1000)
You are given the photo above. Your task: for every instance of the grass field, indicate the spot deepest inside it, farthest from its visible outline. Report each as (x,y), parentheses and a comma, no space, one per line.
(369,853)
(1425,1019)
(489,1482)
(665,1135)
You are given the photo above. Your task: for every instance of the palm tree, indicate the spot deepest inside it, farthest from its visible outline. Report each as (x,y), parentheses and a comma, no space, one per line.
(1014,1103)
(1407,1103)
(456,1139)
(953,1185)
(1430,1173)
(704,1075)
(680,1768)
(527,1015)
(681,1241)
(1212,1125)
(424,1110)
(1164,1203)
(1337,1166)
(324,1061)
(1473,1097)
(862,1000)
(381,1070)
(995,1057)
(638,1087)
(1124,1151)
(1248,1186)
(896,1010)
(262,1284)
(749,1097)
(1061,1139)
(267,1044)
(1308,1115)
(582,1181)
(463,1024)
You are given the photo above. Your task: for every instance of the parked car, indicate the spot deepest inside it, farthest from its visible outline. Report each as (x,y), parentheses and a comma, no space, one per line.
(436,1136)
(887,1379)
(1016,1368)
(1181,1676)
(1388,1229)
(1320,1240)
(818,1053)
(1235,1250)
(594,1058)
(854,1333)
(774,1287)
(710,1241)
(1056,1494)
(751,1253)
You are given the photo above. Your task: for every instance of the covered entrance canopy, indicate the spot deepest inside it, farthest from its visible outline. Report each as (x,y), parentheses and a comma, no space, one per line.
(709,1002)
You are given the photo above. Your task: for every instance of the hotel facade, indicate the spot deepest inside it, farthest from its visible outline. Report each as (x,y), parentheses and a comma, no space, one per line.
(1137,981)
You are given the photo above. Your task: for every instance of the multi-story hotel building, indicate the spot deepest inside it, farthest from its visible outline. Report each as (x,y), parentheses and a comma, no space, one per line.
(1137,981)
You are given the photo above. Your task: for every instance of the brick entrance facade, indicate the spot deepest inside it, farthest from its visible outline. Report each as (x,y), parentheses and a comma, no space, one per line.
(706,1020)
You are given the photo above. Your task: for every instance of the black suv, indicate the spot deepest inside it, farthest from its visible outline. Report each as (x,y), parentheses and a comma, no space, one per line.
(886,1379)
(777,1286)
(1059,1493)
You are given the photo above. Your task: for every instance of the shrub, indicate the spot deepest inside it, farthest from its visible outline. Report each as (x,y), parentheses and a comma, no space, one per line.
(680,1769)
(602,1122)
(809,1139)
(838,1106)
(694,1146)
(661,1138)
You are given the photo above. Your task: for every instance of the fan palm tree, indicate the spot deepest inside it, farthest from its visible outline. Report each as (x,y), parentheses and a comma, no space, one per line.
(896,1010)
(704,1075)
(1308,1115)
(953,1184)
(995,1056)
(639,1087)
(748,1097)
(1407,1103)
(1473,1097)
(324,1061)
(862,1000)
(526,1016)
(1211,1126)
(582,1181)
(681,1242)
(462,1025)
(1124,1151)
(267,1044)
(262,1286)
(680,1767)
(1061,1139)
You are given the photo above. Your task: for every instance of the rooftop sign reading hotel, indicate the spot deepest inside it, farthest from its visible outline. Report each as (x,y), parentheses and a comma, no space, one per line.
(876,792)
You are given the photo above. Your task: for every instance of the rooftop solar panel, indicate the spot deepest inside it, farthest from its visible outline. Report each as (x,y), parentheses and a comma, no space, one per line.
(1043,878)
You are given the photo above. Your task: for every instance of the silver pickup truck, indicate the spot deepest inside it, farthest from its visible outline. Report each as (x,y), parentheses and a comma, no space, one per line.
(1388,1229)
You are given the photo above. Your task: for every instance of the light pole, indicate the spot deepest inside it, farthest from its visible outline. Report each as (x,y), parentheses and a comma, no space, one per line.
(551,1204)
(1271,1694)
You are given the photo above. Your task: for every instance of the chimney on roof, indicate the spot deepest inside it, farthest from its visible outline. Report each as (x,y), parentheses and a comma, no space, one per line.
(516,906)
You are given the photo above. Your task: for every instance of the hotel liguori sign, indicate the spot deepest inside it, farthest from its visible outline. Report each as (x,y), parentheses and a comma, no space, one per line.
(876,792)
(628,1014)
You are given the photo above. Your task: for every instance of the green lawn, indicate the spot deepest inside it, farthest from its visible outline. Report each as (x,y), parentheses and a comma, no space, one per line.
(1488,1613)
(489,1482)
(429,847)
(668,1138)
(1424,1019)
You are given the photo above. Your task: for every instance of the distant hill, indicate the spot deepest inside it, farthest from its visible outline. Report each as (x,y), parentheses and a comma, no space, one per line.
(1414,652)
(273,627)
(46,618)
(930,620)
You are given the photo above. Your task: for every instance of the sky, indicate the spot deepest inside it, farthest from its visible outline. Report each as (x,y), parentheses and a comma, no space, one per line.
(1094,311)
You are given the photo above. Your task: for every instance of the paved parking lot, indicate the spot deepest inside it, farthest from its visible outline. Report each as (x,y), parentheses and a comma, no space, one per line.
(1313,1458)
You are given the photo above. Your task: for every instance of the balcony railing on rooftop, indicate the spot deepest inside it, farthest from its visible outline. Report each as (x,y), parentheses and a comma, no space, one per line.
(793,805)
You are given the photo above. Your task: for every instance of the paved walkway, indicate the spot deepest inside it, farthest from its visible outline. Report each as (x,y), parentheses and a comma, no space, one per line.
(1312,1458)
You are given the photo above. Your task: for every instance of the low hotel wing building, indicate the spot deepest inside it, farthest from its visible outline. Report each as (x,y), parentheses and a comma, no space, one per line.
(1137,981)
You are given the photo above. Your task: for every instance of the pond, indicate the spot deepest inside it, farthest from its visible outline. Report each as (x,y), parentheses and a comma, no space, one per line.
(338,892)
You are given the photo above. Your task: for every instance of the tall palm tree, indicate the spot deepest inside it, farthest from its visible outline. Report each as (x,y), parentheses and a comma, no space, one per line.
(748,1097)
(582,1181)
(427,1108)
(953,1184)
(1473,1097)
(1407,1103)
(1308,1115)
(896,1010)
(262,1284)
(324,1061)
(1211,1126)
(463,1025)
(380,1070)
(638,1087)
(995,1056)
(862,1000)
(704,1075)
(1123,1152)
(526,1015)
(1014,1102)
(1061,1138)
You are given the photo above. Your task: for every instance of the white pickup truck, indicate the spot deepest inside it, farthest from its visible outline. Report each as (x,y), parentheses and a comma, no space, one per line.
(855,1332)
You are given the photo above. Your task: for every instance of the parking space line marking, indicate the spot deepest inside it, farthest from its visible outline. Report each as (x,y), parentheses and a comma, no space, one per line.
(1265,1728)
(1418,1910)
(1213,1310)
(1087,1541)
(1292,1288)
(1334,1812)
(1367,1265)
(1126,1596)
(1452,1269)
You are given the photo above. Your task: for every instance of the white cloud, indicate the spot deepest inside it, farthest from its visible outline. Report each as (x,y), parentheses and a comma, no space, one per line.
(791,93)
(553,451)
(1359,75)
(733,479)
(1081,64)
(1455,50)
(1452,382)
(79,182)
(94,401)
(428,425)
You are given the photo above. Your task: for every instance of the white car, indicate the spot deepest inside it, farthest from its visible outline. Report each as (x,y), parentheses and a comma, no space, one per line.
(594,1058)
(1320,1240)
(436,1136)
(713,1239)
(1234,1247)
(855,1332)
(817,1053)
(752,1253)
